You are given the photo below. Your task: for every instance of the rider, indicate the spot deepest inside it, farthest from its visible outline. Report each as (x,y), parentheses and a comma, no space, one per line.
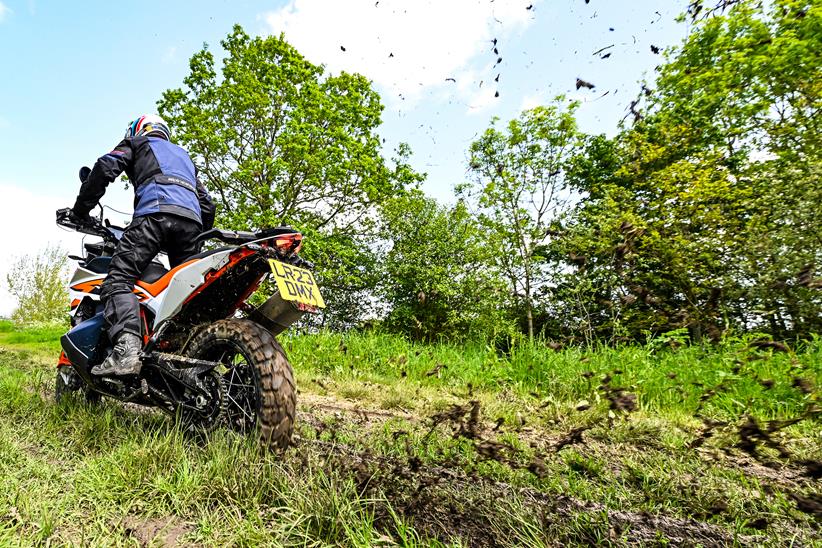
(171,207)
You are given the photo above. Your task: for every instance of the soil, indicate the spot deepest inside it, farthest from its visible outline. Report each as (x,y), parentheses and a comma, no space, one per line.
(447,503)
(425,494)
(164,532)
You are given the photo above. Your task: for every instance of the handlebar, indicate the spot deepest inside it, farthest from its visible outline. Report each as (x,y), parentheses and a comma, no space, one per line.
(91,225)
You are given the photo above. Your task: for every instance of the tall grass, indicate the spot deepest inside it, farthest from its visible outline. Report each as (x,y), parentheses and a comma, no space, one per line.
(80,474)
(666,381)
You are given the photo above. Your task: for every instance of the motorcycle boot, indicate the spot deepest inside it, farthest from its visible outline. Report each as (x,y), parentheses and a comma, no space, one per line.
(124,359)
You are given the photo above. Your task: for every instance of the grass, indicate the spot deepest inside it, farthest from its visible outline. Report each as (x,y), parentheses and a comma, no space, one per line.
(667,382)
(110,475)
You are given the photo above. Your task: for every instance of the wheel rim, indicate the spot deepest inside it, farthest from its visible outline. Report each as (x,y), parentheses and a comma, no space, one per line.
(242,393)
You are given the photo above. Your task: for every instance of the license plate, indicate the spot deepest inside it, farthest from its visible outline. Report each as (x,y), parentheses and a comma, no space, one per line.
(296,284)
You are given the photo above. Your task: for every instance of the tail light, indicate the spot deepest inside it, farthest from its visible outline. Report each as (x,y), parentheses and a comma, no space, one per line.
(289,243)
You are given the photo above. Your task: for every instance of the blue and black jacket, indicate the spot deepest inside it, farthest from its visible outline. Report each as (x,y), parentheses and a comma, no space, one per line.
(164,178)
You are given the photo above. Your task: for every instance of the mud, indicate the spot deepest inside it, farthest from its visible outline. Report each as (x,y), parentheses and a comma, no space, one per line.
(426,496)
(449,501)
(157,532)
(445,501)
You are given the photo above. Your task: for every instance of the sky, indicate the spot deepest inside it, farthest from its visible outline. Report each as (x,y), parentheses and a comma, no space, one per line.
(75,73)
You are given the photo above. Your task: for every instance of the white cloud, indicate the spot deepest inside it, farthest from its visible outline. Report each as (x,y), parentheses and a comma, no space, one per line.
(481,99)
(430,40)
(4,11)
(531,101)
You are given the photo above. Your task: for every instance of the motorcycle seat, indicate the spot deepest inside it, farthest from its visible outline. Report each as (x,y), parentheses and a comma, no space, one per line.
(153,272)
(239,237)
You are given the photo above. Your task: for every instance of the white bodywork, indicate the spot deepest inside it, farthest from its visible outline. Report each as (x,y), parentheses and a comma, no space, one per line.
(182,284)
(169,301)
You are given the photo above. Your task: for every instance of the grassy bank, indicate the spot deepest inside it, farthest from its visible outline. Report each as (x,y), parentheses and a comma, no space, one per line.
(403,444)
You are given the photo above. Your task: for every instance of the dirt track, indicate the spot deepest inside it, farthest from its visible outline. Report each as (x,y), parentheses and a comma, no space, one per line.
(445,501)
(426,493)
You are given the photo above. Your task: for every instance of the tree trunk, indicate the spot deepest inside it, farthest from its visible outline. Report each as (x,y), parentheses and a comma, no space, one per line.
(529,315)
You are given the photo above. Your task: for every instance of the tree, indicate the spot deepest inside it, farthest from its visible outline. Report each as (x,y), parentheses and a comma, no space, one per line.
(743,91)
(279,142)
(655,246)
(519,188)
(705,214)
(439,276)
(38,282)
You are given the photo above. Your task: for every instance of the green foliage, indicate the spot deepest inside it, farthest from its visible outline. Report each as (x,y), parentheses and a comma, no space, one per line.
(519,188)
(751,79)
(668,377)
(278,142)
(38,283)
(439,282)
(705,215)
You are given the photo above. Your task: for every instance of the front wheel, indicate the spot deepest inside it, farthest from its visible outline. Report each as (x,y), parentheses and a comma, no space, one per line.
(69,382)
(259,381)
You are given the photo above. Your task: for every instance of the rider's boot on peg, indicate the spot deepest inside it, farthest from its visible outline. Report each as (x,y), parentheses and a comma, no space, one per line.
(124,359)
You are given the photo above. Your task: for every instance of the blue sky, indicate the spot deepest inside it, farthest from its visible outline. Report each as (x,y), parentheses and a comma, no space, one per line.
(75,73)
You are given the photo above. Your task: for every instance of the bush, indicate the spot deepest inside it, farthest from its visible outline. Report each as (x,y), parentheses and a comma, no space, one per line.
(38,283)
(439,280)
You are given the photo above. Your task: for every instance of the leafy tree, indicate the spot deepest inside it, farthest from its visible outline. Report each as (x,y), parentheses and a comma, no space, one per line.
(279,142)
(656,248)
(744,92)
(705,214)
(520,189)
(38,282)
(439,280)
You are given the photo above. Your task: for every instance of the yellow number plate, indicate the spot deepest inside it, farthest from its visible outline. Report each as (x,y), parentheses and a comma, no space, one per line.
(296,284)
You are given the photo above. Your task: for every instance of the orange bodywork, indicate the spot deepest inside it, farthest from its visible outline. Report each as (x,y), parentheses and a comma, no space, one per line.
(160,285)
(152,289)
(63,360)
(88,287)
(146,334)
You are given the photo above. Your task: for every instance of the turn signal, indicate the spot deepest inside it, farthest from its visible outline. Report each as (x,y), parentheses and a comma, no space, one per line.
(289,243)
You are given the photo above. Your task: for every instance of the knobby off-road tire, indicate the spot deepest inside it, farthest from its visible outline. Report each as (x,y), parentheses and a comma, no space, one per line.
(261,393)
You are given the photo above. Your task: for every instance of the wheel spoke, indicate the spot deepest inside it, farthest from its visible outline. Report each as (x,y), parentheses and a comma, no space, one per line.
(240,386)
(241,408)
(247,356)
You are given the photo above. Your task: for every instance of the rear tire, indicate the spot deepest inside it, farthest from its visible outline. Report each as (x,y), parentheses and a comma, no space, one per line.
(260,383)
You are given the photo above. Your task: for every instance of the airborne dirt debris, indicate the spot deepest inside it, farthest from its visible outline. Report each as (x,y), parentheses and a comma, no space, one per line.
(444,497)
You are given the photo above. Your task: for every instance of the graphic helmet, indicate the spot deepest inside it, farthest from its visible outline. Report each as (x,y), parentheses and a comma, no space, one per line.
(148,125)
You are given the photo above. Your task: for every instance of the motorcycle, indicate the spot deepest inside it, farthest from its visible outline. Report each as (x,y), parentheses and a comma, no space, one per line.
(209,357)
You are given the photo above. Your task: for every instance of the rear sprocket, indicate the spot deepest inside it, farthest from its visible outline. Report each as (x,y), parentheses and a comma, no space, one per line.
(204,413)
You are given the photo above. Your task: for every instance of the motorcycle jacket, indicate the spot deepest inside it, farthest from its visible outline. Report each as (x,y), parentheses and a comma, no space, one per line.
(163,176)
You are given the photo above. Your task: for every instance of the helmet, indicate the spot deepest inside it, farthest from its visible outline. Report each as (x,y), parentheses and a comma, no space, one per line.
(148,124)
